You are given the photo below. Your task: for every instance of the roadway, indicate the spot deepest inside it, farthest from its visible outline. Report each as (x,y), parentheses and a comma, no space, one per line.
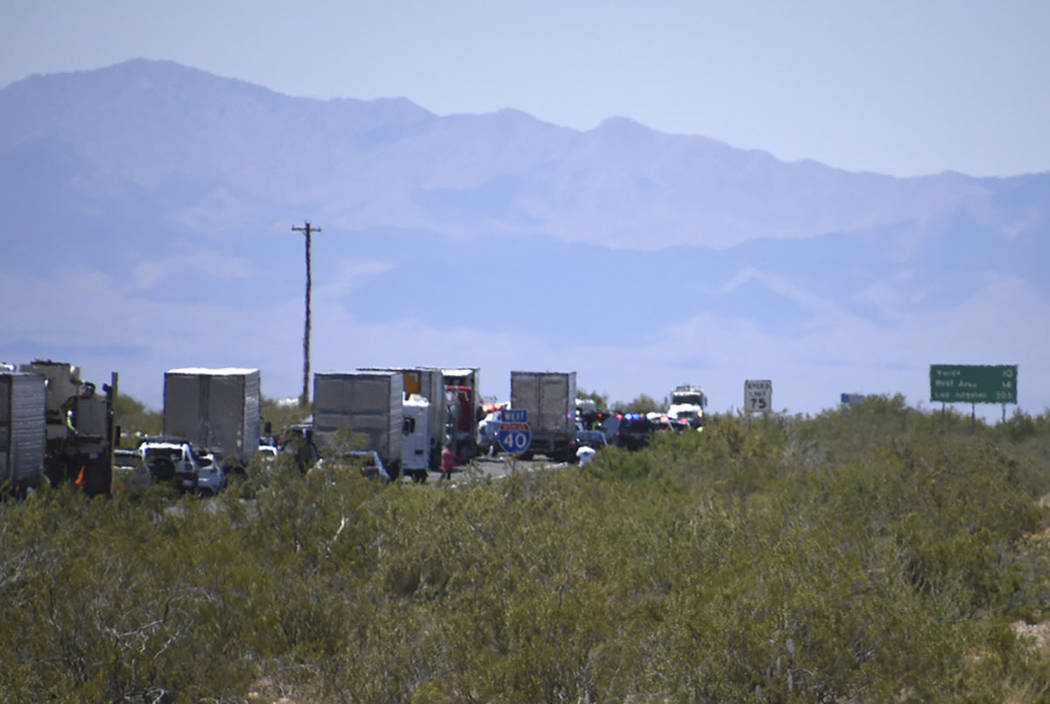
(494,467)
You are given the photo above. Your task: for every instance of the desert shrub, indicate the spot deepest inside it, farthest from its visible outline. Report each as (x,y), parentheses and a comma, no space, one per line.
(876,555)
(135,419)
(280,415)
(643,403)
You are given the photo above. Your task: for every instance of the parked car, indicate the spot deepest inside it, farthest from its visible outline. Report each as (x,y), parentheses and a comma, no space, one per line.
(367,461)
(130,473)
(268,452)
(212,478)
(662,421)
(594,439)
(631,431)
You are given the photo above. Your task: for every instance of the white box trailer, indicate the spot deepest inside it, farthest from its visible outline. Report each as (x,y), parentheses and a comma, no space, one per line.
(215,409)
(368,404)
(427,382)
(23,430)
(549,398)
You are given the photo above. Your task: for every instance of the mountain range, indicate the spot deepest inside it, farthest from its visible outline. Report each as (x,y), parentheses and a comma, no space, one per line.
(147,211)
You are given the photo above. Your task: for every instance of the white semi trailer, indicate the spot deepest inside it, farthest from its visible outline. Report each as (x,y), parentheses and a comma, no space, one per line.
(22,430)
(216,410)
(549,398)
(369,404)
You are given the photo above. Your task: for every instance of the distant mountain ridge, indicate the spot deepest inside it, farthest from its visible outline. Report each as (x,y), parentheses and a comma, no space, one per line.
(222,146)
(149,192)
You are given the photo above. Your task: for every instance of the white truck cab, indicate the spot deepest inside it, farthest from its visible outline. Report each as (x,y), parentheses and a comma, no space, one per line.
(687,405)
(415,441)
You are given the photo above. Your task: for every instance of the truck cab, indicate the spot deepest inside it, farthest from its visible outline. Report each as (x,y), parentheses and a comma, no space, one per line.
(415,441)
(464,411)
(687,405)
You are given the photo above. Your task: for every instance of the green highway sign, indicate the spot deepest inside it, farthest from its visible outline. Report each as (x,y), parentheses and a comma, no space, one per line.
(968,383)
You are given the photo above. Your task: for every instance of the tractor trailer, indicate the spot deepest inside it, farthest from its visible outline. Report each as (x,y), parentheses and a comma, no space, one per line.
(549,398)
(216,410)
(366,403)
(427,383)
(22,430)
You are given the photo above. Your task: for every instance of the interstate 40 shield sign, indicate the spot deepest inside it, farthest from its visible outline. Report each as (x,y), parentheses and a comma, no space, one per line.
(514,434)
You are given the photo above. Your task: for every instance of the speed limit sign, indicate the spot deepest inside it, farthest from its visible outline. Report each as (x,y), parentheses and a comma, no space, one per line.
(758,395)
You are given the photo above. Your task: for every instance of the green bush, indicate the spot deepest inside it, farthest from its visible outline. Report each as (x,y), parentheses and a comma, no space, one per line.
(869,556)
(135,419)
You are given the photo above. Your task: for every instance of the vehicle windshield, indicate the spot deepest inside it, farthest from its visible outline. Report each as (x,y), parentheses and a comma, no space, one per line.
(691,399)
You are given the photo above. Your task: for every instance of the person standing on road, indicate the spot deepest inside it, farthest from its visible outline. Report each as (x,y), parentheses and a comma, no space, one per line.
(447,460)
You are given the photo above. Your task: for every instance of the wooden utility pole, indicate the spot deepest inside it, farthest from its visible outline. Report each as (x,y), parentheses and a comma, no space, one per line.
(304,400)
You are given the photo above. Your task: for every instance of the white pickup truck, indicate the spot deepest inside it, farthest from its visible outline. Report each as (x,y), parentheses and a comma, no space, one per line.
(171,460)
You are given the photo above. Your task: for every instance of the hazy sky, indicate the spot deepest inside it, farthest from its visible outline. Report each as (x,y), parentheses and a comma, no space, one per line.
(902,88)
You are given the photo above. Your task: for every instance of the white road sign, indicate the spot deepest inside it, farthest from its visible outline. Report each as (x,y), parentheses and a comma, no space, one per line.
(758,395)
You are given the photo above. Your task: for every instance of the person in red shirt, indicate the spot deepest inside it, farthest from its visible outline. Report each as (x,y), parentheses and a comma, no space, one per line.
(447,460)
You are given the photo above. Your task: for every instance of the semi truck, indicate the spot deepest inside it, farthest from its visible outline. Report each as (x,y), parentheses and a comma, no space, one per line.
(416,440)
(687,405)
(23,434)
(428,383)
(549,398)
(369,405)
(217,410)
(463,394)
(80,427)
